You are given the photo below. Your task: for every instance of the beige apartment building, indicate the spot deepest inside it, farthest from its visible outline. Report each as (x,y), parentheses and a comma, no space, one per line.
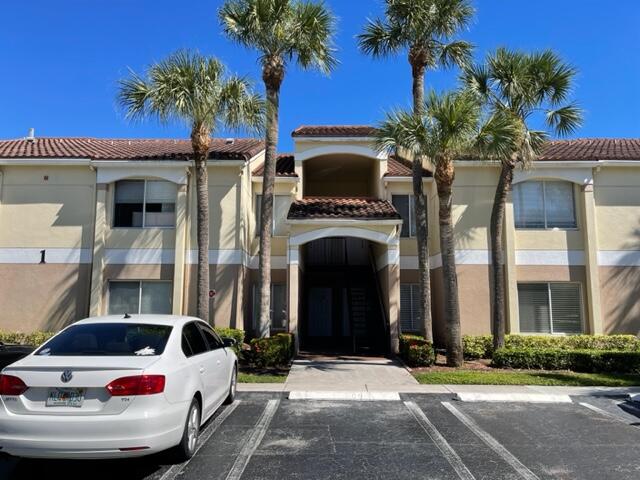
(96,226)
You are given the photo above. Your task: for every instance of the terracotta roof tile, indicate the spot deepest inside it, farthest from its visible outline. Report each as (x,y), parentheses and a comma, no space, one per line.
(125,149)
(284,166)
(592,149)
(342,208)
(334,131)
(397,167)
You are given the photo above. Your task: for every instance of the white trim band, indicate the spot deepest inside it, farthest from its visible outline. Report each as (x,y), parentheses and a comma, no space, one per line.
(619,258)
(51,255)
(550,257)
(139,256)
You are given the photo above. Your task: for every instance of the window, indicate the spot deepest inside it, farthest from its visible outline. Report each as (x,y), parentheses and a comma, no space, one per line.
(145,203)
(139,297)
(109,339)
(405,205)
(538,204)
(212,338)
(410,307)
(280,212)
(278,306)
(194,339)
(550,308)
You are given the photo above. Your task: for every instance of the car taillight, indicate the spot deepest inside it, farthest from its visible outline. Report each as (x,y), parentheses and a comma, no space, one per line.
(137,385)
(10,385)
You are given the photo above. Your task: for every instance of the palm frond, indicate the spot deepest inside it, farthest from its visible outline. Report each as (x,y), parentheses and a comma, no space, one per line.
(379,39)
(457,53)
(565,120)
(312,36)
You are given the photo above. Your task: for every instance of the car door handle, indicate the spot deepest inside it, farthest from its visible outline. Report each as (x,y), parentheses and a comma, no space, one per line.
(201,369)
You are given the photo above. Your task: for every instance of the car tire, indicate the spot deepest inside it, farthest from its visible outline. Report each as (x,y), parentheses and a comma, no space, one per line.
(189,441)
(233,386)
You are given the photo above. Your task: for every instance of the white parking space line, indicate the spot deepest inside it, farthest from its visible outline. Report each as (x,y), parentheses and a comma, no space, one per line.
(252,444)
(492,443)
(204,436)
(611,415)
(449,453)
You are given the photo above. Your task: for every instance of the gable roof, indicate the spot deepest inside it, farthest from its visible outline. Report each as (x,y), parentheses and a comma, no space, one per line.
(334,131)
(591,149)
(342,208)
(397,167)
(126,149)
(285,166)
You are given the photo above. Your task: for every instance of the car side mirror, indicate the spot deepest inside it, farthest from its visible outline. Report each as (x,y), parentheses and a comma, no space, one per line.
(229,342)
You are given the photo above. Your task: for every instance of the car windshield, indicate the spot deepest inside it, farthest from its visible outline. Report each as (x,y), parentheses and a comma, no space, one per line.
(108,339)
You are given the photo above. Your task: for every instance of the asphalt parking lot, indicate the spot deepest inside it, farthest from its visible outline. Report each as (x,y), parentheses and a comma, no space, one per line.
(267,436)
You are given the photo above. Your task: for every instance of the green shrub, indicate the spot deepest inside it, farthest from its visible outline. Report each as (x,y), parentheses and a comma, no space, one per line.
(236,334)
(481,346)
(477,346)
(273,351)
(34,338)
(596,361)
(416,351)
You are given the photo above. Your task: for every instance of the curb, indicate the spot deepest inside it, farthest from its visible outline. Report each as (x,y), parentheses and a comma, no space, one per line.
(513,397)
(350,396)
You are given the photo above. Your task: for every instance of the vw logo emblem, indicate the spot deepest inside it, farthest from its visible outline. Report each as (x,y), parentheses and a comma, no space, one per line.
(66,376)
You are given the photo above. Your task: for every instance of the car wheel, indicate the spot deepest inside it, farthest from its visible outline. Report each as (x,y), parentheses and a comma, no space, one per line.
(233,386)
(187,446)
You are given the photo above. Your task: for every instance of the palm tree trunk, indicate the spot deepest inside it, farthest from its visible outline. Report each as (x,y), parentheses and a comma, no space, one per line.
(444,179)
(200,140)
(497,254)
(266,217)
(420,213)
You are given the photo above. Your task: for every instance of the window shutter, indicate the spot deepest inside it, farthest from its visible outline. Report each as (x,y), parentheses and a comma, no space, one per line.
(533,301)
(406,308)
(280,212)
(156,297)
(566,309)
(559,205)
(401,204)
(159,191)
(278,307)
(130,191)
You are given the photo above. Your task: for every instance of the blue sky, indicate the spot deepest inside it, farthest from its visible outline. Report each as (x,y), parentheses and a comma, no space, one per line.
(60,62)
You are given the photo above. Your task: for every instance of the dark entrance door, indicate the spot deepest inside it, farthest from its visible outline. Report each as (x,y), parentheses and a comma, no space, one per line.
(341,307)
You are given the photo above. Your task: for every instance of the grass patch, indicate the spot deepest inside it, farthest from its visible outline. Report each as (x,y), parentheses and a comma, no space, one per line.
(260,378)
(510,377)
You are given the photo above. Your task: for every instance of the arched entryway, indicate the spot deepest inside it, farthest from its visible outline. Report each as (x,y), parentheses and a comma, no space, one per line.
(344,289)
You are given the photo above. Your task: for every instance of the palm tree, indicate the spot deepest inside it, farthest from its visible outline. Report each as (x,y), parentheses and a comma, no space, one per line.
(451,125)
(196,90)
(525,86)
(282,31)
(425,29)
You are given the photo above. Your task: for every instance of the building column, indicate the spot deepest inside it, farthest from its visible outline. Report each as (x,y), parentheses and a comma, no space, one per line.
(180,250)
(393,254)
(511,281)
(591,261)
(293,283)
(97,267)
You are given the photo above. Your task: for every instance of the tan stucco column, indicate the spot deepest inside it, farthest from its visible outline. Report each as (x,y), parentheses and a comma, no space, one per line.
(293,283)
(511,281)
(97,267)
(180,250)
(591,260)
(393,255)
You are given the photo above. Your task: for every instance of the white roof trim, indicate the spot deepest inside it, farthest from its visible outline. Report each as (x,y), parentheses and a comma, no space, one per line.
(258,179)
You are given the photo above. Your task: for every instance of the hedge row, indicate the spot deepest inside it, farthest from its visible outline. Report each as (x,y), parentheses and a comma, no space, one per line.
(600,361)
(235,333)
(416,351)
(481,346)
(275,351)
(35,338)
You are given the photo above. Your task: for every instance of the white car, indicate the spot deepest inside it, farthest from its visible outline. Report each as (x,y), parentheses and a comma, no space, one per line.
(116,386)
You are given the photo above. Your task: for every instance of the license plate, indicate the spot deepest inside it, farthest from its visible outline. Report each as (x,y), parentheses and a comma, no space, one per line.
(65,397)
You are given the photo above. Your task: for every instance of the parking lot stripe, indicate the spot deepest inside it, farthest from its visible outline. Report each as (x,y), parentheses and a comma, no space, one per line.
(599,410)
(496,446)
(252,444)
(449,453)
(204,436)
